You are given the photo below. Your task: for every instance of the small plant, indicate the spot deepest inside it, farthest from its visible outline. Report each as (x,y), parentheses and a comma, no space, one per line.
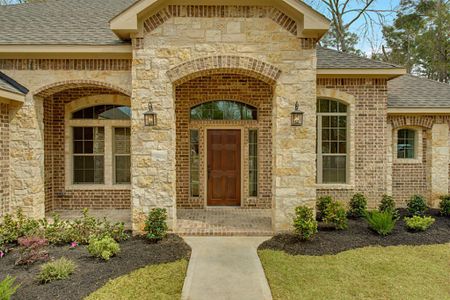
(304,223)
(14,227)
(418,223)
(103,248)
(156,224)
(388,205)
(56,232)
(56,270)
(322,204)
(444,205)
(335,214)
(358,206)
(417,206)
(382,223)
(7,288)
(32,249)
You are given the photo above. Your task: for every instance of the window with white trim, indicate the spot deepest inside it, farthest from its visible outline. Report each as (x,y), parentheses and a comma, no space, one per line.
(332,144)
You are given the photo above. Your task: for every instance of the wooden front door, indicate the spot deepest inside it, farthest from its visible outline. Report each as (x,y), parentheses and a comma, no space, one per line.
(224,167)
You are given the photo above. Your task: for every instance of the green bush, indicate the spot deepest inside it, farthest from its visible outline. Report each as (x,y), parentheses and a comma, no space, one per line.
(56,270)
(381,222)
(56,232)
(103,248)
(7,288)
(445,205)
(388,205)
(358,206)
(15,227)
(336,215)
(418,223)
(304,222)
(417,206)
(156,224)
(322,204)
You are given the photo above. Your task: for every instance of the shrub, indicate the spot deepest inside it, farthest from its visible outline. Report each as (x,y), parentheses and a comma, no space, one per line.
(322,204)
(156,224)
(56,232)
(381,222)
(304,222)
(32,249)
(335,214)
(388,205)
(14,227)
(417,205)
(445,205)
(103,248)
(7,288)
(358,206)
(56,270)
(418,223)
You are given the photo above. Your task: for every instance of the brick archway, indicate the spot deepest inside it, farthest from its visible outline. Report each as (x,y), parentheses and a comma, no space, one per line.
(220,64)
(60,86)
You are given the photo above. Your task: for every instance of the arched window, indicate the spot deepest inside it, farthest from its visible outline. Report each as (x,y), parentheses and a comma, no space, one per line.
(406,144)
(332,144)
(224,110)
(103,112)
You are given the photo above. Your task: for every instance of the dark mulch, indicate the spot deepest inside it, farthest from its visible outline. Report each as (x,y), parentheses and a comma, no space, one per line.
(358,235)
(91,273)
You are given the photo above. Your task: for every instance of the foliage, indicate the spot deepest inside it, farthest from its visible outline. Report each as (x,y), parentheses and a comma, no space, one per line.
(7,288)
(14,227)
(56,232)
(445,205)
(103,248)
(358,206)
(322,204)
(382,223)
(417,206)
(388,205)
(156,224)
(56,270)
(304,222)
(32,249)
(336,214)
(418,223)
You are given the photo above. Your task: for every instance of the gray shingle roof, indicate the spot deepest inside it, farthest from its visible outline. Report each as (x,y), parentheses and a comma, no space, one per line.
(412,91)
(10,85)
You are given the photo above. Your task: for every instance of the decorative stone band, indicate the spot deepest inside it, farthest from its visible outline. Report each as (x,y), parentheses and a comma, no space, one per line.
(416,120)
(220,11)
(66,64)
(71,84)
(219,64)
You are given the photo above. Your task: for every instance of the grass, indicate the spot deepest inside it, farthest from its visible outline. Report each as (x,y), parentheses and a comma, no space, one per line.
(402,272)
(163,281)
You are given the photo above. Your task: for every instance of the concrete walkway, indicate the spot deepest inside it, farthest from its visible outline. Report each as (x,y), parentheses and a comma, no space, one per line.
(225,268)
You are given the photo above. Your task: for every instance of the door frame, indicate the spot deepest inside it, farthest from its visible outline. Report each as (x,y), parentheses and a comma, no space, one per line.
(205,159)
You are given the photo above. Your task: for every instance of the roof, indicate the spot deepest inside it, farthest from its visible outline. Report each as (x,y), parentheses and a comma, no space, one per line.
(414,92)
(10,85)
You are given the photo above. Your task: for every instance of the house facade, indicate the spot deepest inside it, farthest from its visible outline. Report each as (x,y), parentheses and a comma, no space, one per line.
(132,105)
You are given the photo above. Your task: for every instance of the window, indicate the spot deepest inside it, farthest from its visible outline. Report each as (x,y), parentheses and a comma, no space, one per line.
(122,158)
(88,155)
(253,162)
(194,163)
(224,110)
(406,141)
(103,112)
(332,121)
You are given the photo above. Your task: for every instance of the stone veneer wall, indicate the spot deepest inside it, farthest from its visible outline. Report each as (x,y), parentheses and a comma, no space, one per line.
(224,87)
(370,137)
(56,196)
(4,159)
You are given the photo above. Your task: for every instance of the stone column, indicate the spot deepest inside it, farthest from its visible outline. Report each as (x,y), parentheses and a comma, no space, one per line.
(439,155)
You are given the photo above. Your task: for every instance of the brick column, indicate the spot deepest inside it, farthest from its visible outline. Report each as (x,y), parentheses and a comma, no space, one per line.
(439,154)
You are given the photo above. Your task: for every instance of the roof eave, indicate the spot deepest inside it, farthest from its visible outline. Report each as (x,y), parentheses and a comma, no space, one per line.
(419,110)
(65,51)
(389,73)
(11,97)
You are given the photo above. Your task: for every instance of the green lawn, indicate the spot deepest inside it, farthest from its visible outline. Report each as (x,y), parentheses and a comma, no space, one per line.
(164,281)
(370,273)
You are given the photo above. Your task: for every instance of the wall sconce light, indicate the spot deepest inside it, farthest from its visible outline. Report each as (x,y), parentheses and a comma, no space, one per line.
(150,117)
(297,116)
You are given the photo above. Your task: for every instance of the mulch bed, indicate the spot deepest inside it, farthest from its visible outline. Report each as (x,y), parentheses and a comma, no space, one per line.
(358,235)
(91,273)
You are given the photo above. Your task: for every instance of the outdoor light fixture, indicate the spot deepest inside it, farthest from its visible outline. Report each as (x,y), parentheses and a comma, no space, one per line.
(150,117)
(297,116)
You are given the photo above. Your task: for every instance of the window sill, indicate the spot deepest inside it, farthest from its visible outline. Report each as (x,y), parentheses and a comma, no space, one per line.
(91,187)
(410,161)
(334,186)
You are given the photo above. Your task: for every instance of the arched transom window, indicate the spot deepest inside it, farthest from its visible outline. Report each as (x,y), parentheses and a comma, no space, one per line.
(224,110)
(103,112)
(332,144)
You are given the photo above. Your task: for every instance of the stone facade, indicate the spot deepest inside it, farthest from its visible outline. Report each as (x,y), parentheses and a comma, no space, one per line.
(4,158)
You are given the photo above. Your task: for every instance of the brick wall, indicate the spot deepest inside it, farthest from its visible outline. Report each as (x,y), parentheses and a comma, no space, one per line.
(370,136)
(56,196)
(4,159)
(224,87)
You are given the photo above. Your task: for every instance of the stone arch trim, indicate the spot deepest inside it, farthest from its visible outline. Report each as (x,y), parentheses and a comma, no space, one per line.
(60,86)
(224,64)
(336,95)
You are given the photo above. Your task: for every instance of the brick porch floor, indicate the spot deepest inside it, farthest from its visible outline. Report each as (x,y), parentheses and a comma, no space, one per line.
(224,222)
